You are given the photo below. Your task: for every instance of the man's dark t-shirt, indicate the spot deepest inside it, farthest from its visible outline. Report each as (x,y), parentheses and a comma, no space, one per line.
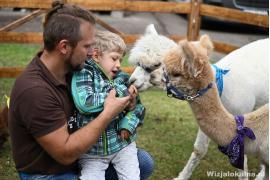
(39,105)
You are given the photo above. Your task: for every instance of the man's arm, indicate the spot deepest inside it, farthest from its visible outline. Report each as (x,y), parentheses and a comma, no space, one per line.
(66,148)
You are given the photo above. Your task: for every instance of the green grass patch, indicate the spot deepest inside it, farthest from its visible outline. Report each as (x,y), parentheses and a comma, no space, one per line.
(168,133)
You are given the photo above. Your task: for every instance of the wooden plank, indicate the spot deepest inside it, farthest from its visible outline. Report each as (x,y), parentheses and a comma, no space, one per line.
(128,70)
(130,38)
(223,47)
(194,22)
(177,38)
(13,72)
(10,72)
(22,20)
(16,37)
(108,27)
(107,5)
(40,4)
(104,5)
(234,15)
(33,37)
(157,6)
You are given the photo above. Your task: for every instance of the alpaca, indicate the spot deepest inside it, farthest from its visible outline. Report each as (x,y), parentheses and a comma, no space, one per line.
(189,71)
(147,54)
(3,126)
(242,91)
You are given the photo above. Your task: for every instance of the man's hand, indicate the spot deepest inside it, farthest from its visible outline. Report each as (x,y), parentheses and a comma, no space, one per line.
(113,105)
(133,94)
(124,134)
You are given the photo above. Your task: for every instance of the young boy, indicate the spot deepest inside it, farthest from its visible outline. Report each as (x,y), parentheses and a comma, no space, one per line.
(90,87)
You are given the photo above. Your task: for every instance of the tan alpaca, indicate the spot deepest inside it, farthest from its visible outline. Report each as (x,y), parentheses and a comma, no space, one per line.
(189,70)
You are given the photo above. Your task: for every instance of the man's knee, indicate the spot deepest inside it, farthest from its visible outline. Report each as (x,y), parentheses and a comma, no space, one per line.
(146,164)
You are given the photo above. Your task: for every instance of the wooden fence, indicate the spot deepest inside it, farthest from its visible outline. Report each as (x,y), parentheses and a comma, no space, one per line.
(195,9)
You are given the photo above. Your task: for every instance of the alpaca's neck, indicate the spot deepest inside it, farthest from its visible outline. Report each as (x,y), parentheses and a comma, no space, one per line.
(213,118)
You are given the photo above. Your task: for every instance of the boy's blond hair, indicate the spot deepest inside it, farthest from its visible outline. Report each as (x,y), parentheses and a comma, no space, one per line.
(108,41)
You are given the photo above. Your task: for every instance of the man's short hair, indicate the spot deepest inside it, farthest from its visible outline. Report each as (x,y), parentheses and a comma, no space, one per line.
(63,22)
(108,41)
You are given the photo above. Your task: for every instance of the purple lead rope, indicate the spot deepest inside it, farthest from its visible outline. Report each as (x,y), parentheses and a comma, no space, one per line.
(235,150)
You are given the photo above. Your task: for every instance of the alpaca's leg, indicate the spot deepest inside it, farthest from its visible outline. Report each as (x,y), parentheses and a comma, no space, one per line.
(200,150)
(262,174)
(266,172)
(244,173)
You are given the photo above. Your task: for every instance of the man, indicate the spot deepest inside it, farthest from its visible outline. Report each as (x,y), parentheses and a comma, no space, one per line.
(41,104)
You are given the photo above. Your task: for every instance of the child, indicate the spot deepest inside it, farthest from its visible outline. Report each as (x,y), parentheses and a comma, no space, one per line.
(90,87)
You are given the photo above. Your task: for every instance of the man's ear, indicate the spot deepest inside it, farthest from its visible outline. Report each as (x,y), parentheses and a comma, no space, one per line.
(64,47)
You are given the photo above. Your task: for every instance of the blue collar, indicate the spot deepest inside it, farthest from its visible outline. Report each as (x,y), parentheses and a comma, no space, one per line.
(235,150)
(219,77)
(172,91)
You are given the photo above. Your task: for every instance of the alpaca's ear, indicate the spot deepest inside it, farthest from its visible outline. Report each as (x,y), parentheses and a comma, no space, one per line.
(206,42)
(188,50)
(150,30)
(193,64)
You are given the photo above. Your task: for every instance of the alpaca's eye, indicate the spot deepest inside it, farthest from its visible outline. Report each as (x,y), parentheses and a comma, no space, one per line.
(157,65)
(147,69)
(176,74)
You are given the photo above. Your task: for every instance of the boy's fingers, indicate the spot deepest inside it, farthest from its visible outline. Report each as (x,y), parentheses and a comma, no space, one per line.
(126,99)
(123,135)
(135,90)
(112,93)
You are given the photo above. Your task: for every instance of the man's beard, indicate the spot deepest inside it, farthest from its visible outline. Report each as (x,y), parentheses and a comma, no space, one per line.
(71,67)
(76,68)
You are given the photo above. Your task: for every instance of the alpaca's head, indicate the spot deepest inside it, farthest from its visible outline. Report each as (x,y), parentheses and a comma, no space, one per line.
(148,57)
(188,65)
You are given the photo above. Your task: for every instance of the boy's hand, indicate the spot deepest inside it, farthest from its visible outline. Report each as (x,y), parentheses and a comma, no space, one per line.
(124,134)
(113,105)
(133,94)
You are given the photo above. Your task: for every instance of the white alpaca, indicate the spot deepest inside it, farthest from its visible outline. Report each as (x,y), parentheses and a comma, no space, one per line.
(189,72)
(245,86)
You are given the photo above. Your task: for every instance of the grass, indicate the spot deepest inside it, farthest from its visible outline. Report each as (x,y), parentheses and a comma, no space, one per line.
(168,133)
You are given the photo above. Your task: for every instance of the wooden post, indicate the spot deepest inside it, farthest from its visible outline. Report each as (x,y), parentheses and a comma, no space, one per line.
(194,22)
(22,20)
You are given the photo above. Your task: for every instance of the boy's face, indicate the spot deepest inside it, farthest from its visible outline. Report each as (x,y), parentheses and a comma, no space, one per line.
(110,62)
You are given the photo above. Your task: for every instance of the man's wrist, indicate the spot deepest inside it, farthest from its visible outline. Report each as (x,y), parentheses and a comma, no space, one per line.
(105,115)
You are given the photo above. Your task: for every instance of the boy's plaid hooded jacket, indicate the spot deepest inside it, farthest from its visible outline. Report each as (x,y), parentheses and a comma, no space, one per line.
(90,87)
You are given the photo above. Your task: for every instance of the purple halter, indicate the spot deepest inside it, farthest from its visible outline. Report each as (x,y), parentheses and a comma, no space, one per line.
(235,150)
